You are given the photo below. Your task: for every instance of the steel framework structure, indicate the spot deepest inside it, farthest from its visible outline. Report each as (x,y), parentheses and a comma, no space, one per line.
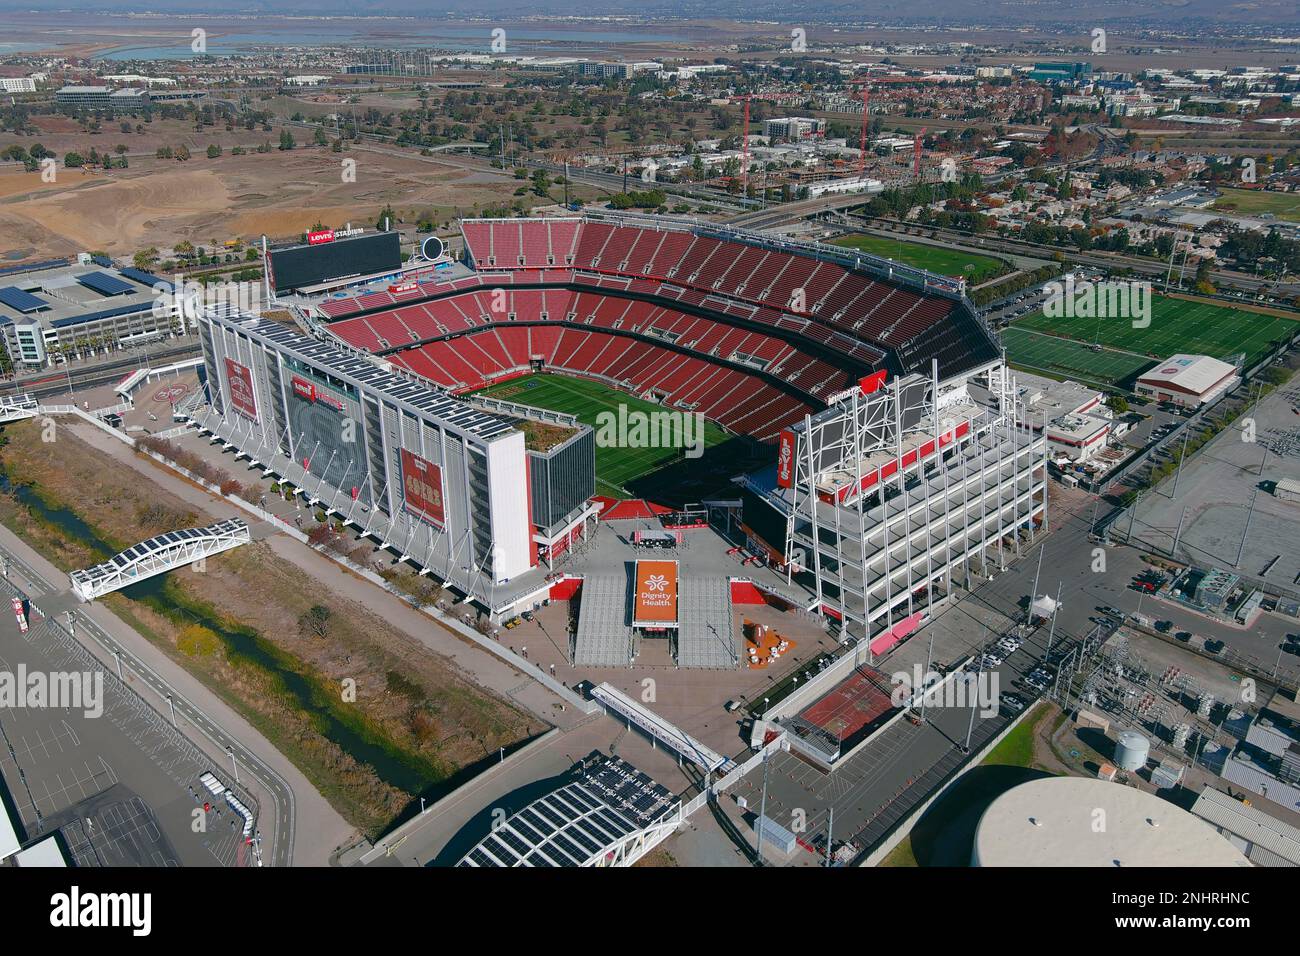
(893,491)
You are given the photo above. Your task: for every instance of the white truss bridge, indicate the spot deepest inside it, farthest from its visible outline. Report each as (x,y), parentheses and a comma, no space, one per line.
(175,549)
(16,407)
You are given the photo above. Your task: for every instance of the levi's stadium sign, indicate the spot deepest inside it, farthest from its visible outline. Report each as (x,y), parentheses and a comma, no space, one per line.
(785,460)
(329,235)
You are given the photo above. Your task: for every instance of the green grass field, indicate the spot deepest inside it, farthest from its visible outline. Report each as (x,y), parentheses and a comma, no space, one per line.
(1177,325)
(1047,353)
(1251,202)
(615,466)
(950,262)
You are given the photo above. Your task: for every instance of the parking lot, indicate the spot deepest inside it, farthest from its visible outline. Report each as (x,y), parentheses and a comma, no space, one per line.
(121,786)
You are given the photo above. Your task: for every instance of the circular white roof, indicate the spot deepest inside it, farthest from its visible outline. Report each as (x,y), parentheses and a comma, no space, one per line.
(1080,821)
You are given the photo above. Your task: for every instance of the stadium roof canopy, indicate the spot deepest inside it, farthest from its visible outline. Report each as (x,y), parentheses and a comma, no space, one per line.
(580,824)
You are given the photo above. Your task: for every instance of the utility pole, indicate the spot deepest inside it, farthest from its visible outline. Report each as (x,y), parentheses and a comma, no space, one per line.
(762,809)
(1051,632)
(970,728)
(830,836)
(929,660)
(1183,454)
(1246,530)
(1034,593)
(1179,533)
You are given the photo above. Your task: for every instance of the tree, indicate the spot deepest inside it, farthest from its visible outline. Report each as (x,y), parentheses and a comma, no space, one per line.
(315,621)
(286,140)
(214,151)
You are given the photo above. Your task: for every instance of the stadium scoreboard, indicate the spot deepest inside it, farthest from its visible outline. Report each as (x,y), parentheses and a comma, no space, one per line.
(328,256)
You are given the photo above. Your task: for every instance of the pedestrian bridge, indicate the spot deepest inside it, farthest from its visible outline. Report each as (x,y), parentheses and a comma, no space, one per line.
(175,549)
(16,407)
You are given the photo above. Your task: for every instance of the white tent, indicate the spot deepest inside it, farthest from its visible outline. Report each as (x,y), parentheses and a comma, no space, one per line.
(1044,607)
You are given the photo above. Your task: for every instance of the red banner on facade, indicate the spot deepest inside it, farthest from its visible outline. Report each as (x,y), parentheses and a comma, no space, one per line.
(242,396)
(303,389)
(422,488)
(785,460)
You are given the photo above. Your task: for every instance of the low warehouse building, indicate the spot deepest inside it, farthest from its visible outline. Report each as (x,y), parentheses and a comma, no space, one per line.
(1187,380)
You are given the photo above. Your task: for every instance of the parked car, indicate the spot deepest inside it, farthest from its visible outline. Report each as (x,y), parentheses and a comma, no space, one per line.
(1012,702)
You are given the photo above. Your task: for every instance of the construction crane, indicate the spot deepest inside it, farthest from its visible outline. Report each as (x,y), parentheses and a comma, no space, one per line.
(744,151)
(916,155)
(862,139)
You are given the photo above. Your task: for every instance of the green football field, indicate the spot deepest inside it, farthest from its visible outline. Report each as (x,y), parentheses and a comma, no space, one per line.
(1177,325)
(616,465)
(1036,351)
(950,262)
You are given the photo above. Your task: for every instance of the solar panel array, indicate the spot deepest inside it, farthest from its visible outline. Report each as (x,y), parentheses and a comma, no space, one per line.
(17,298)
(578,823)
(362,373)
(105,284)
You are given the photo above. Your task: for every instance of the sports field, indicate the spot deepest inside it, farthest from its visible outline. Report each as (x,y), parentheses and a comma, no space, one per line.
(616,465)
(1177,325)
(1036,351)
(1251,202)
(950,262)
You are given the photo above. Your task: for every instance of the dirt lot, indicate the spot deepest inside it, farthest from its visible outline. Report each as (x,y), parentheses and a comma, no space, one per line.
(161,202)
(411,709)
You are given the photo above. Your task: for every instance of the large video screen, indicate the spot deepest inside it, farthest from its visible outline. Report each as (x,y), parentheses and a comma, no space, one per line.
(300,266)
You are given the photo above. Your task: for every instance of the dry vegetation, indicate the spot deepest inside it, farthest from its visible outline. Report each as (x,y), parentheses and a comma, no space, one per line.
(411,704)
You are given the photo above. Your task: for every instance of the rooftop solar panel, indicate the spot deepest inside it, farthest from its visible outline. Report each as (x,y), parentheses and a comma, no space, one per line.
(24,302)
(105,284)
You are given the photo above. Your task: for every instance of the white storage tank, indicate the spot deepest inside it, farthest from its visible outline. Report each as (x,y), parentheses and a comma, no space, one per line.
(1132,751)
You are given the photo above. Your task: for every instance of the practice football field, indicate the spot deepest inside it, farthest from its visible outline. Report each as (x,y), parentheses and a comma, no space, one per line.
(1177,325)
(949,262)
(615,466)
(1056,356)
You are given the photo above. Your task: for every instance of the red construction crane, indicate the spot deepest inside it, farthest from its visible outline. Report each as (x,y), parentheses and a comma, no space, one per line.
(862,140)
(744,151)
(916,155)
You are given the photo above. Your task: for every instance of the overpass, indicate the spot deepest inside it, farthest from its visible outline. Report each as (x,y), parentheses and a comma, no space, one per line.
(166,552)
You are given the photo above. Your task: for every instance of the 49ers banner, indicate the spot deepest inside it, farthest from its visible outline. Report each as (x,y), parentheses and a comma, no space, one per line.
(242,396)
(785,460)
(422,488)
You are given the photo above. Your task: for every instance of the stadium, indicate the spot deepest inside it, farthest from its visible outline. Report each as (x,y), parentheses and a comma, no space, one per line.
(844,468)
